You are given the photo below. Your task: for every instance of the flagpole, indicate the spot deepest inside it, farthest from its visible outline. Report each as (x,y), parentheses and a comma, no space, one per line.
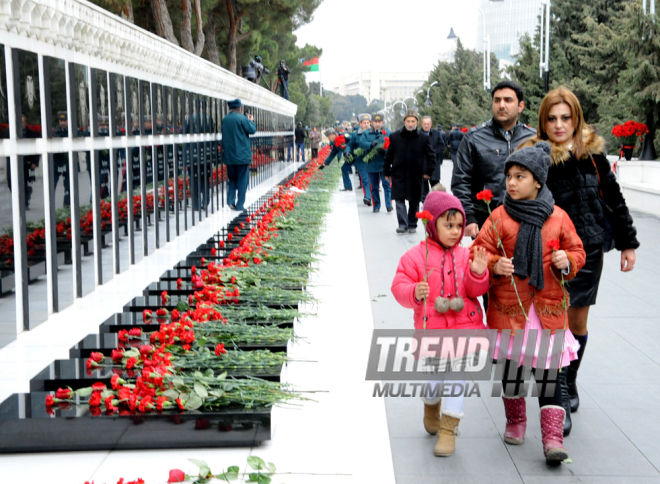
(320,80)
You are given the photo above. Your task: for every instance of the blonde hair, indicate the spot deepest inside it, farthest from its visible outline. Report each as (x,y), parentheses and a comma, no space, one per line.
(438,187)
(565,96)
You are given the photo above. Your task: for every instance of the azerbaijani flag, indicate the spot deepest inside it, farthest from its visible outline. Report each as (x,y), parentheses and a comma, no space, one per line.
(311,65)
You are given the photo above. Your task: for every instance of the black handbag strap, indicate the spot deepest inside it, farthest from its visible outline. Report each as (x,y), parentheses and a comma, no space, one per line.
(597,175)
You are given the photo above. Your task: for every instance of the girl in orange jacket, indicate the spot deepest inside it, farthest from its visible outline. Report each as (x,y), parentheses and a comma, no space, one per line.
(539,249)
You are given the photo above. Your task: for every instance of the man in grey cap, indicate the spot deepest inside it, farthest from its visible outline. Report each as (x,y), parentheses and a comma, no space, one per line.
(409,159)
(358,154)
(236,152)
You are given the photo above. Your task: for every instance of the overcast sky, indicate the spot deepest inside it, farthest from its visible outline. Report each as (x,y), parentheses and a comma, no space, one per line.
(386,35)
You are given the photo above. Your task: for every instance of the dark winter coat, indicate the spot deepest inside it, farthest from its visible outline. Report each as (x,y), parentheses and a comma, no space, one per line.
(375,165)
(574,186)
(409,157)
(454,139)
(300,135)
(439,148)
(480,165)
(236,131)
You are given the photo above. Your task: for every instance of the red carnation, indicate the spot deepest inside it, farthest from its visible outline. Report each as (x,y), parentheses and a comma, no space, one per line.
(425,216)
(63,393)
(386,143)
(220,349)
(176,475)
(554,244)
(485,195)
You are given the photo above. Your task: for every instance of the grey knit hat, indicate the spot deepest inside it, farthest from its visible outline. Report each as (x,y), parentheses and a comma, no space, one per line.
(412,113)
(363,117)
(536,159)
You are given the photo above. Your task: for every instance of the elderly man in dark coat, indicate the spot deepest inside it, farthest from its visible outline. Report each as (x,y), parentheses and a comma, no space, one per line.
(409,160)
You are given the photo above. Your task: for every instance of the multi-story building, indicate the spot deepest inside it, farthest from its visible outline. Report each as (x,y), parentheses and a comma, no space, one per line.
(505,22)
(388,86)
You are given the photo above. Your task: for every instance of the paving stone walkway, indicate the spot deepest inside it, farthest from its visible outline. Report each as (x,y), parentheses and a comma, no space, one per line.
(615,437)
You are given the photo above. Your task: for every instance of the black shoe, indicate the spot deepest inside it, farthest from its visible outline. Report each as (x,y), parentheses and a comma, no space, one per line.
(565,401)
(412,231)
(401,230)
(346,190)
(233,207)
(366,201)
(376,210)
(389,209)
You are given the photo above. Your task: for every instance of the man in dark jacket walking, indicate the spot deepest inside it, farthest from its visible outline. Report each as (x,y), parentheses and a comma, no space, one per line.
(454,139)
(236,151)
(409,160)
(480,159)
(438,148)
(300,135)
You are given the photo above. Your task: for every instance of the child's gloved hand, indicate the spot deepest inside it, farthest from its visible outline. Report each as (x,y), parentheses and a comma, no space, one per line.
(479,263)
(422,290)
(560,259)
(503,267)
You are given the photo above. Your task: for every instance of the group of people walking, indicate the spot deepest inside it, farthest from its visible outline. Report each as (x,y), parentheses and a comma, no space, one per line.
(556,208)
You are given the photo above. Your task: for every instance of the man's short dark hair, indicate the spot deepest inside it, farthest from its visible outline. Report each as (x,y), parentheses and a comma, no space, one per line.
(517,88)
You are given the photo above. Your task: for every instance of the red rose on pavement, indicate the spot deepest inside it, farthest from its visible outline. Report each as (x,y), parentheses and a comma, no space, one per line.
(49,401)
(214,251)
(135,332)
(161,312)
(176,475)
(230,236)
(485,195)
(554,244)
(146,314)
(221,244)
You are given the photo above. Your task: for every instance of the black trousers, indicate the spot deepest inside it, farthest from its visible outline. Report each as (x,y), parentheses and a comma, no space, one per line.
(407,218)
(315,153)
(512,386)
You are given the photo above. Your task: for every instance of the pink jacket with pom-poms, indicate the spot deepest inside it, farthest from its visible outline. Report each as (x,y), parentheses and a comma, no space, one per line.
(470,286)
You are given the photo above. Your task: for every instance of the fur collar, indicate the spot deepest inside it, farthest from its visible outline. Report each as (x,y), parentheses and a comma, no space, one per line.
(593,144)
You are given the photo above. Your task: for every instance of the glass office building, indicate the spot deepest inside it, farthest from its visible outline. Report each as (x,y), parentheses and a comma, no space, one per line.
(506,21)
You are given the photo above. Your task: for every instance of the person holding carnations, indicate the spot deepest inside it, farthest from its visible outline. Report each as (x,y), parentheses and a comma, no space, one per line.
(526,274)
(354,149)
(338,143)
(441,283)
(582,183)
(374,142)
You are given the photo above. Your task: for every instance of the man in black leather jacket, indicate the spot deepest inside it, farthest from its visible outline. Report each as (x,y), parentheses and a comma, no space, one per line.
(480,159)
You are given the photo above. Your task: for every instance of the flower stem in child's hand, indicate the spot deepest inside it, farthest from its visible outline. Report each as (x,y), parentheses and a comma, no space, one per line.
(422,290)
(487,196)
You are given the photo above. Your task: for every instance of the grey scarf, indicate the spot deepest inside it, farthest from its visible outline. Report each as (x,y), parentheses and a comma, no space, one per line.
(532,214)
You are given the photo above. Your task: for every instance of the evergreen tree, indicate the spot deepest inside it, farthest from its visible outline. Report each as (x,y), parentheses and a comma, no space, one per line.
(459,96)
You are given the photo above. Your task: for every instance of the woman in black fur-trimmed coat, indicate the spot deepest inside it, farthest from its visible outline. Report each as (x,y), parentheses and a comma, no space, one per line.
(579,174)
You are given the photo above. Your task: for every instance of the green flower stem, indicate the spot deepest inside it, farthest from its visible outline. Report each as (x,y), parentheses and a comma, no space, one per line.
(501,245)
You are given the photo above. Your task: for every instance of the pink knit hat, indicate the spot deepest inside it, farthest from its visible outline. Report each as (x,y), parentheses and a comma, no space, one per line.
(438,203)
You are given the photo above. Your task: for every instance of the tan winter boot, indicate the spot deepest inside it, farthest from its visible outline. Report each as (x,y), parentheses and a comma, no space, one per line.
(447,435)
(432,418)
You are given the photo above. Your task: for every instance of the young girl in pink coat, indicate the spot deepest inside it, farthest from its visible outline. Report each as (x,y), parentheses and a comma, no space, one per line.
(454,283)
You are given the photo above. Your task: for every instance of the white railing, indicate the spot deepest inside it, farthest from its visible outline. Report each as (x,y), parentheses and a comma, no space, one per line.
(175,112)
